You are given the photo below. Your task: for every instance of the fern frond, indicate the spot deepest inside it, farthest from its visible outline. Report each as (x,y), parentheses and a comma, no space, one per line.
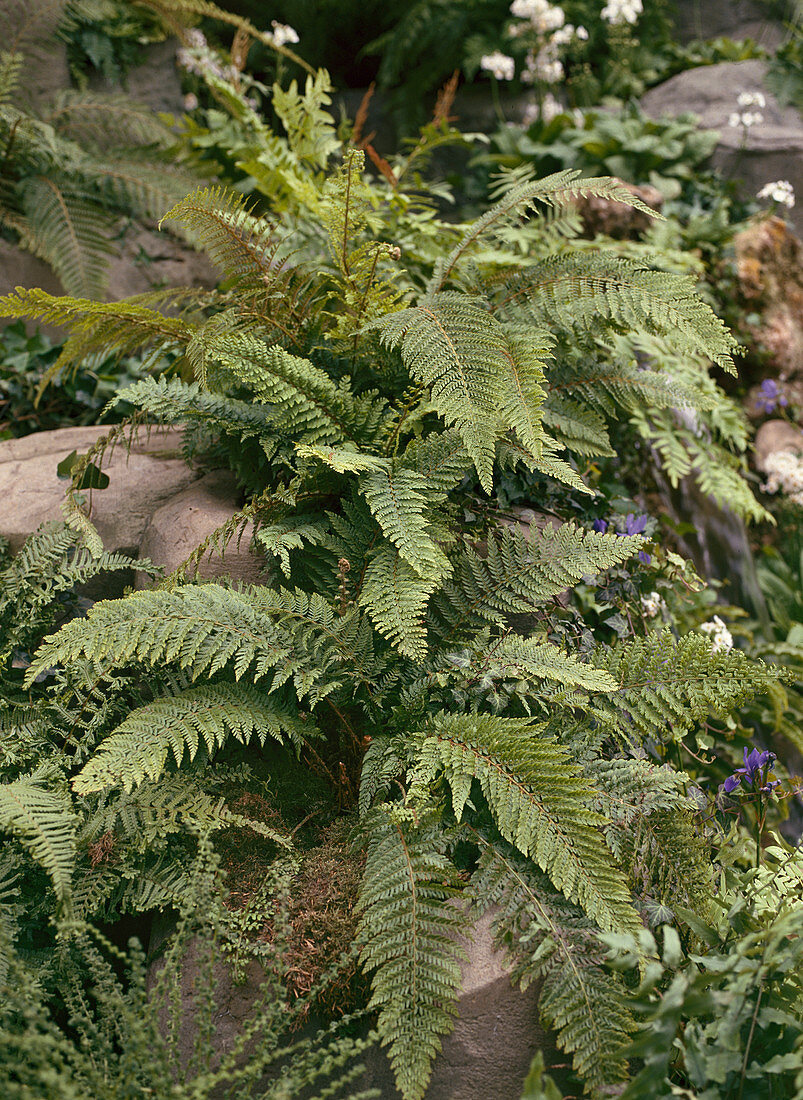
(540,804)
(243,247)
(203,628)
(524,658)
(519,573)
(546,938)
(665,686)
(69,232)
(181,724)
(558,190)
(397,498)
(408,937)
(584,287)
(440,457)
(395,596)
(477,381)
(171,401)
(37,810)
(579,429)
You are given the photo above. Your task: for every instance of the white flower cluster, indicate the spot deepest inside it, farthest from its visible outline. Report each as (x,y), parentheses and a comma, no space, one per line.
(199,58)
(652,604)
(549,108)
(784,471)
(721,637)
(499,65)
(622,11)
(748,118)
(780,191)
(282,34)
(548,23)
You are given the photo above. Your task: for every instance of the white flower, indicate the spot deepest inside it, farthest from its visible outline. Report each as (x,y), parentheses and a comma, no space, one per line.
(652,605)
(582,34)
(780,191)
(499,64)
(784,471)
(544,67)
(721,637)
(540,14)
(196,39)
(282,34)
(746,119)
(751,99)
(190,102)
(622,11)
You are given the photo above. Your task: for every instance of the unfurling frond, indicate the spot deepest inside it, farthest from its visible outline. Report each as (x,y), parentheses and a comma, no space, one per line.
(540,803)
(181,724)
(408,934)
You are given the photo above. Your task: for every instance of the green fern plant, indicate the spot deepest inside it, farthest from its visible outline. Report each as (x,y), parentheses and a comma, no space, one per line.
(383,633)
(72,167)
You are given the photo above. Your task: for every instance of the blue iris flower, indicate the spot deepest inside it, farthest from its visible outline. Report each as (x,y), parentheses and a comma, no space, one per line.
(757,765)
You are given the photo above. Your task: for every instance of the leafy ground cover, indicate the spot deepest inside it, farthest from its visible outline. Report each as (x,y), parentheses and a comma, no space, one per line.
(476,660)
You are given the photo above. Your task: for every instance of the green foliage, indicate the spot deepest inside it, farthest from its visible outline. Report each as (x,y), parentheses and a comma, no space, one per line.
(368,418)
(71,167)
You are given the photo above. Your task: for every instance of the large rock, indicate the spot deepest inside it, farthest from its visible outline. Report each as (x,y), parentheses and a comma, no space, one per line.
(735,19)
(188,519)
(32,24)
(769,151)
(140,482)
(776,437)
(155,82)
(486,1057)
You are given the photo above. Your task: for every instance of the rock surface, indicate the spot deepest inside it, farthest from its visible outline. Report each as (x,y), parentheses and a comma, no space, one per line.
(496,1034)
(769,151)
(140,483)
(486,1057)
(735,19)
(775,436)
(189,517)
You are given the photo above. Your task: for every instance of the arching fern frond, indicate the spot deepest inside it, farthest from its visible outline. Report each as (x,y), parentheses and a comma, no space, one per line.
(546,938)
(558,190)
(408,934)
(583,287)
(520,573)
(395,597)
(666,685)
(180,725)
(540,803)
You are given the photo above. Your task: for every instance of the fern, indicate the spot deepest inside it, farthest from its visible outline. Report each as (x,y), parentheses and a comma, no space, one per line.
(539,802)
(547,939)
(138,748)
(408,937)
(38,811)
(520,573)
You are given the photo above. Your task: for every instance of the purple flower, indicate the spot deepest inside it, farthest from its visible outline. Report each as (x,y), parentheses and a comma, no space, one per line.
(757,766)
(600,525)
(644,557)
(634,525)
(770,396)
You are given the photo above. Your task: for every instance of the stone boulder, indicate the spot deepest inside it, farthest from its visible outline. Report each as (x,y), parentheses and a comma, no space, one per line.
(769,151)
(140,482)
(154,82)
(495,1037)
(736,19)
(188,518)
(486,1057)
